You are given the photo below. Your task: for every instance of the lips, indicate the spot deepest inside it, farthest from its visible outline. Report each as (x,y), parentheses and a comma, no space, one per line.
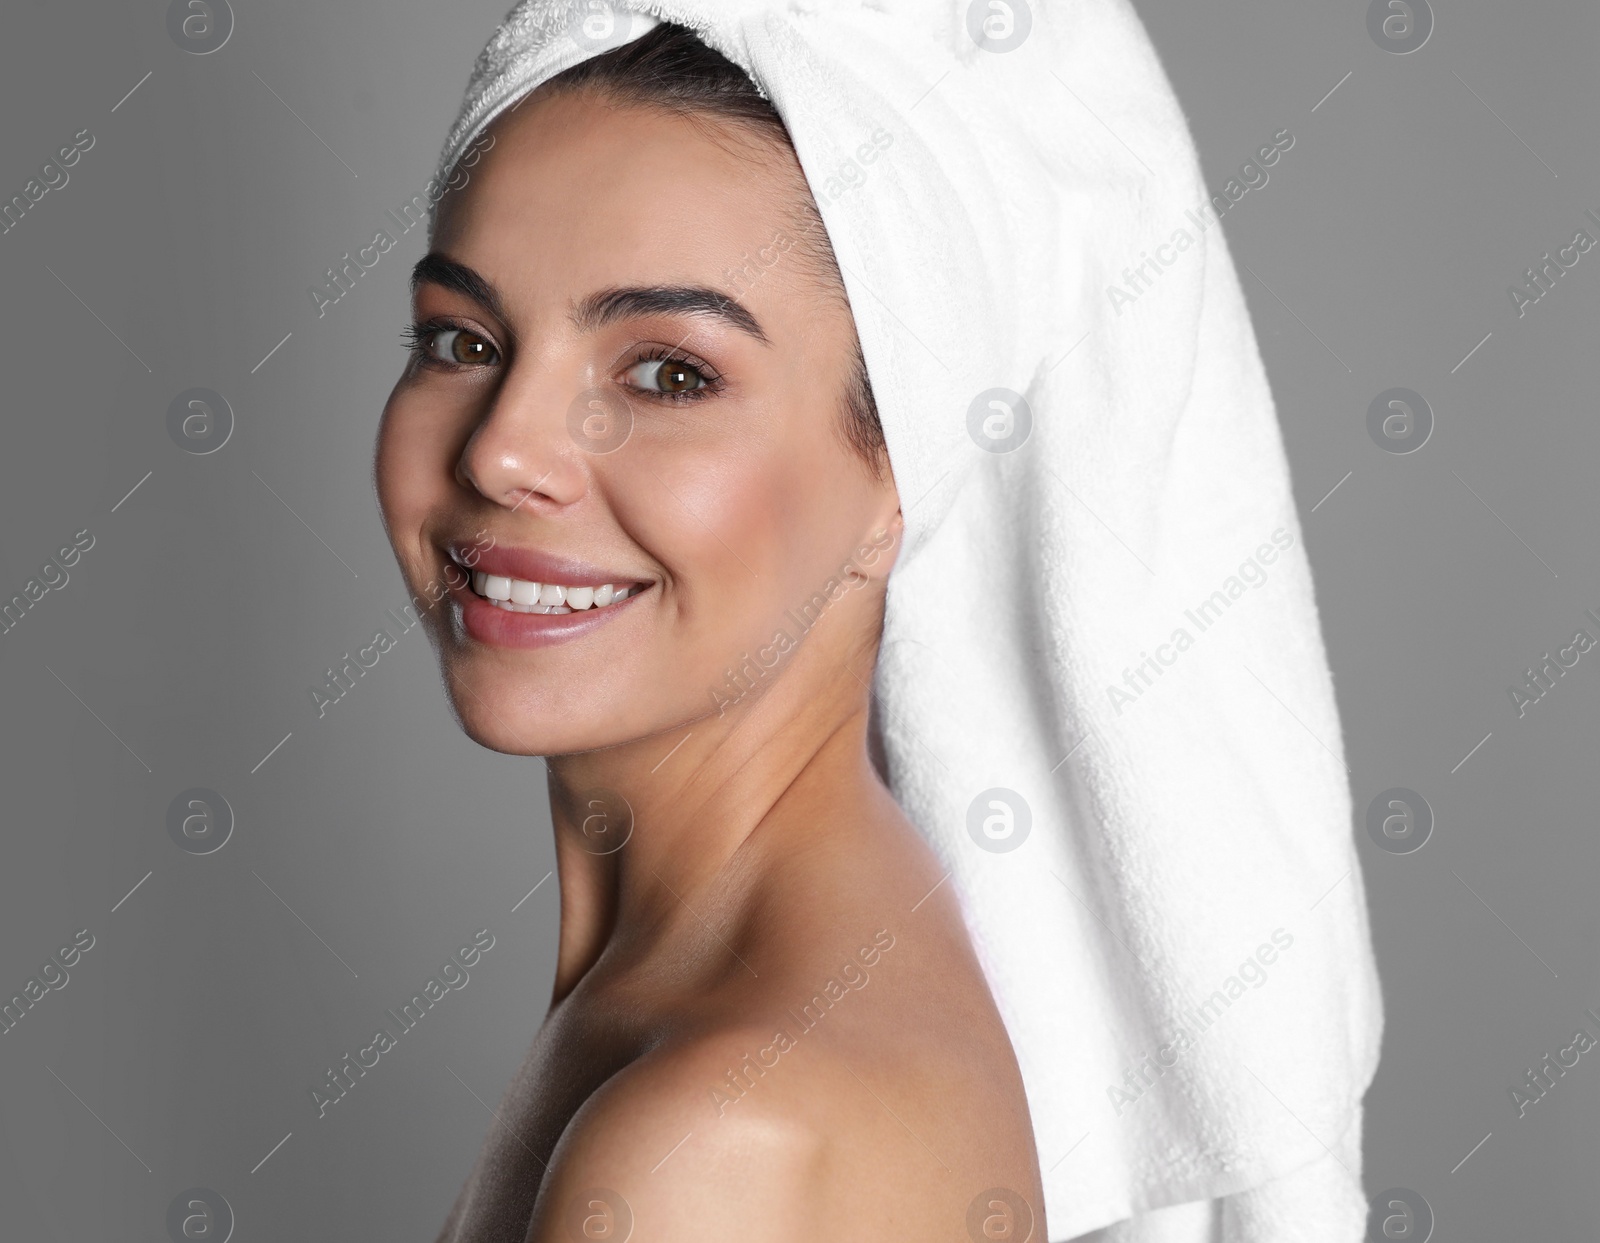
(533,566)
(525,598)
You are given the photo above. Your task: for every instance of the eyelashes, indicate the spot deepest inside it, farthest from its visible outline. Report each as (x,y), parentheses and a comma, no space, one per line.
(468,349)
(420,339)
(675,364)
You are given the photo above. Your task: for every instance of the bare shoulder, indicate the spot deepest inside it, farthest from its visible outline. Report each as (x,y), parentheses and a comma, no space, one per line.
(855,1083)
(852,1107)
(656,1154)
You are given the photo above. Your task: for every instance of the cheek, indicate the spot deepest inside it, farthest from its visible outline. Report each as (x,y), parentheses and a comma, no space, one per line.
(749,524)
(413,464)
(704,509)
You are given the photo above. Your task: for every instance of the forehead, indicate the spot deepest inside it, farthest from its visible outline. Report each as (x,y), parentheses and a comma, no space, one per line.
(579,191)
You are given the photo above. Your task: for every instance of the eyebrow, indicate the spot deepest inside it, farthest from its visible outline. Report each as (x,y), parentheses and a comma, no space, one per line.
(598,309)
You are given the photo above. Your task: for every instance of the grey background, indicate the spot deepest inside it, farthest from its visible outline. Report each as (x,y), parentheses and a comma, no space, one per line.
(376,840)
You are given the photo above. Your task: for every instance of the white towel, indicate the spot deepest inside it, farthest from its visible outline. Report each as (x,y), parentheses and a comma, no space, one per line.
(1114,619)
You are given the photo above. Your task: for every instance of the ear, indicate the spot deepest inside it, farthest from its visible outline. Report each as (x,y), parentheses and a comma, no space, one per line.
(875,556)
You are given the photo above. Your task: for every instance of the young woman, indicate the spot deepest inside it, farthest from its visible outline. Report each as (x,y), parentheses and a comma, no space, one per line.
(945,770)
(636,439)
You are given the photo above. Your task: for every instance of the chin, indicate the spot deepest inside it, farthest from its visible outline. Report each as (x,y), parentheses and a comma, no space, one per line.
(496,713)
(493,734)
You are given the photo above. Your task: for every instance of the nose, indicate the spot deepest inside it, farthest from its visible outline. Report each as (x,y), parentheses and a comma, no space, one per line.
(522,454)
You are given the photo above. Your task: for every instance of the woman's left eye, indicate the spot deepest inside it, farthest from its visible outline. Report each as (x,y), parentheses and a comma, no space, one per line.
(670,377)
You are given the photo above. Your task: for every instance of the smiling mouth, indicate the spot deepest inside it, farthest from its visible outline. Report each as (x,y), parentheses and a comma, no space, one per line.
(516,595)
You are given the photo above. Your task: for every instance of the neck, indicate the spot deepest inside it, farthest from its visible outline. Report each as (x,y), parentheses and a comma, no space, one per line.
(651,834)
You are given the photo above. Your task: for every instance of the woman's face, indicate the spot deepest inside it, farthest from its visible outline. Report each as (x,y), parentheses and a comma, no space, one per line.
(625,378)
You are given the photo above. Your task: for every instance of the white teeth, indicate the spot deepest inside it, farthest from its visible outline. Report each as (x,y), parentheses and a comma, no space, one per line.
(517,595)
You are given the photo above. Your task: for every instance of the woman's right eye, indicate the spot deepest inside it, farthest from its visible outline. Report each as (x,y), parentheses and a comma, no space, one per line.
(457,346)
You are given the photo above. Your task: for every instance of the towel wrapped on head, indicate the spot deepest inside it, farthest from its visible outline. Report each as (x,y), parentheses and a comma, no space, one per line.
(1102,693)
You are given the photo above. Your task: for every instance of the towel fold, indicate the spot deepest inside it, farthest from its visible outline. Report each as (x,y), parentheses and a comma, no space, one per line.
(1102,693)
